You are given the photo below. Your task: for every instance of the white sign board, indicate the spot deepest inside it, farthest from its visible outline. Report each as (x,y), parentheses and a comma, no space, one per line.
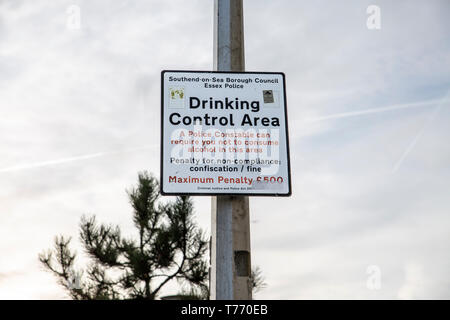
(224,133)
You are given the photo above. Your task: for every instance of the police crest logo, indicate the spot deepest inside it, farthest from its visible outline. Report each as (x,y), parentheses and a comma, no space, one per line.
(270,98)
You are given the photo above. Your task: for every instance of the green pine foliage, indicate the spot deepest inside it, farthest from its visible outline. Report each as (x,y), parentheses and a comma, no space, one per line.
(168,246)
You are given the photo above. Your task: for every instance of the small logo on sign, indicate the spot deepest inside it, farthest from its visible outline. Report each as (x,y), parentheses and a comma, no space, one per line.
(176,97)
(268,96)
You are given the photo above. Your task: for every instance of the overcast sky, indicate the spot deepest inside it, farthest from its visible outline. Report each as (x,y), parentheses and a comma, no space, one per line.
(369,117)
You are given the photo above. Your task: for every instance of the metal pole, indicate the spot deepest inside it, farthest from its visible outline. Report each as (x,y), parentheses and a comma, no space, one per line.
(230,223)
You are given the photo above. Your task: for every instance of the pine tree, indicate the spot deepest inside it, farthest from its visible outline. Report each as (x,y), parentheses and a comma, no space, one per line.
(169,246)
